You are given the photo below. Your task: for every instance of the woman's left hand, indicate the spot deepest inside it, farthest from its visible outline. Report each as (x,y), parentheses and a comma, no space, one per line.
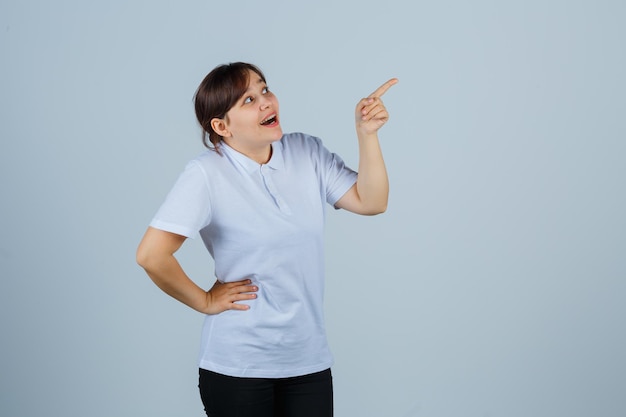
(371,114)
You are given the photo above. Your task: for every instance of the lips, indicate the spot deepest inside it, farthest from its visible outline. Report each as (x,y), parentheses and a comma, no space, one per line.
(271,120)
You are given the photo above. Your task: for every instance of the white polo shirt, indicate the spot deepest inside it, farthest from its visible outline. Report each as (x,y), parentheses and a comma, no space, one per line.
(263,222)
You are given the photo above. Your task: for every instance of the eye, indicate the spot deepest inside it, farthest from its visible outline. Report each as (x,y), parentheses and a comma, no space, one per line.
(247,100)
(265,90)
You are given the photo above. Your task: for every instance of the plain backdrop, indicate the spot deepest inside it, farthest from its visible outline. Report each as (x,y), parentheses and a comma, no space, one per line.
(494,285)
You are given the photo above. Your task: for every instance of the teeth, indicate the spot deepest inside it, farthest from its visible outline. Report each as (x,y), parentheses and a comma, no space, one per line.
(268,120)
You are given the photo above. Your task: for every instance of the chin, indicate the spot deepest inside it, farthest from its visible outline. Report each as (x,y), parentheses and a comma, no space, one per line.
(278,135)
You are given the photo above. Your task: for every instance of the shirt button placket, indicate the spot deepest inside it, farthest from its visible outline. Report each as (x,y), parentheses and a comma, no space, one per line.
(271,189)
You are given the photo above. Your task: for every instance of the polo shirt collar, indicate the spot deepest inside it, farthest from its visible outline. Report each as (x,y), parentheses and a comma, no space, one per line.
(276,161)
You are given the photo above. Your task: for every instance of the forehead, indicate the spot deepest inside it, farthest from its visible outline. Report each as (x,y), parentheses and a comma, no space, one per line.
(254,79)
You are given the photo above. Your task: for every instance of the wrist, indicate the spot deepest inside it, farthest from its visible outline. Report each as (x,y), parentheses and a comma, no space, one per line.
(366,136)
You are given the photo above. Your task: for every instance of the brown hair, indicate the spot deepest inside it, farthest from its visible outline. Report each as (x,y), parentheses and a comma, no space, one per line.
(218,93)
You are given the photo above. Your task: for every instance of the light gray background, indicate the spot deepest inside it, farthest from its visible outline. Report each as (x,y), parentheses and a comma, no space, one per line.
(493,286)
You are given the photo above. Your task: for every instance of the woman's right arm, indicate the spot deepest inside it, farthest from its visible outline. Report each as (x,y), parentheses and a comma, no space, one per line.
(155,255)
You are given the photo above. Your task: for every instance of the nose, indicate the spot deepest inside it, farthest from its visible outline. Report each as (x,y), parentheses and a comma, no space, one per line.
(264,103)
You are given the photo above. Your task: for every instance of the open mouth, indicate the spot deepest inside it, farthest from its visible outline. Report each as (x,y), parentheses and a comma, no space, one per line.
(272,119)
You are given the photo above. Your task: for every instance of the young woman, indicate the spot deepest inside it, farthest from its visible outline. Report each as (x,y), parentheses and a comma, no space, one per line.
(257,198)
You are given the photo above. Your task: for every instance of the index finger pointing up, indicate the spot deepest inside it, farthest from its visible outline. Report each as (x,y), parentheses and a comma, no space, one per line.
(383,88)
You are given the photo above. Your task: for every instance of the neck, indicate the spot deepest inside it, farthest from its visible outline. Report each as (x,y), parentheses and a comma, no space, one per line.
(260,155)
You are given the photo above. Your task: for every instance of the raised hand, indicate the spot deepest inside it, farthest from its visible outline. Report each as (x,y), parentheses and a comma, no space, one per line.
(223,296)
(371,114)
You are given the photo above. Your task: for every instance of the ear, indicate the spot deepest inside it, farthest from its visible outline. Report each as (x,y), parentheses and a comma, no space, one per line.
(219,126)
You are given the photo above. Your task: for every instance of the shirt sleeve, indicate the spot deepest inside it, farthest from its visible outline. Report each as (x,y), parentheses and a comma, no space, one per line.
(337,176)
(187,207)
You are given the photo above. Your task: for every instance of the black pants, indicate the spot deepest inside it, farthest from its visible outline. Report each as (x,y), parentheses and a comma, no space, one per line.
(301,396)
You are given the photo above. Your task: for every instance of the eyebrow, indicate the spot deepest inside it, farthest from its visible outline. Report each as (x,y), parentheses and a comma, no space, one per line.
(258,81)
